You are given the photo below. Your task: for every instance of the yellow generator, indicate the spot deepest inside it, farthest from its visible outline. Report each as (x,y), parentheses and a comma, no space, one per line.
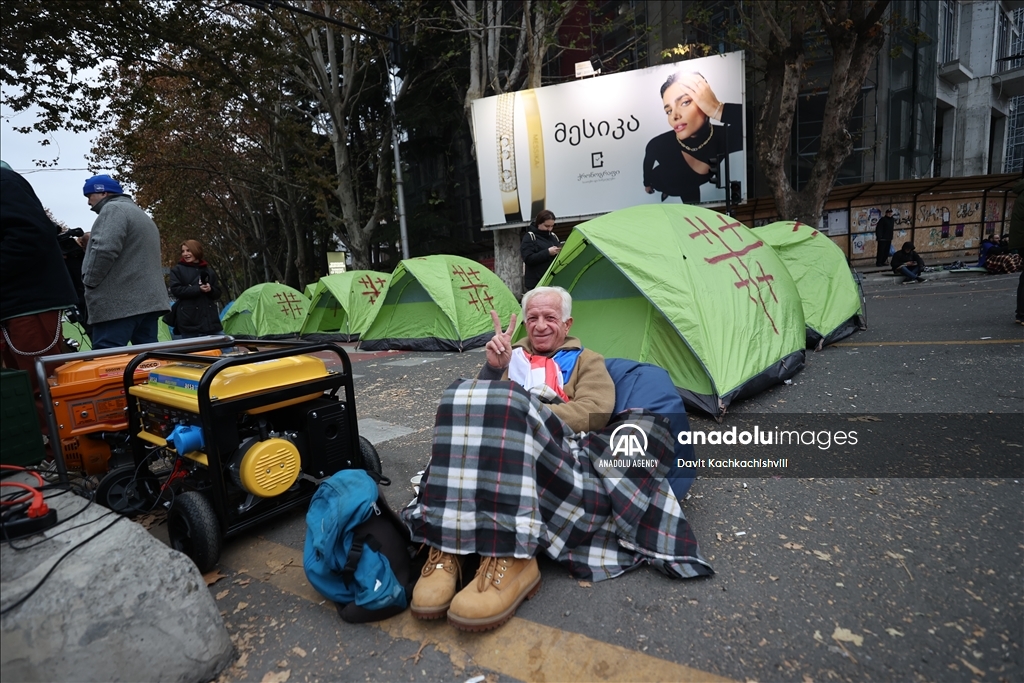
(250,436)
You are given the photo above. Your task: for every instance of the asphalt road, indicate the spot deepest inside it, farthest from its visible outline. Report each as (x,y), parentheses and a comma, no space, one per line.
(848,579)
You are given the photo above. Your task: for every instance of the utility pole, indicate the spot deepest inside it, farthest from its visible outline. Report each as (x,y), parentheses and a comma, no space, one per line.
(399,188)
(728,184)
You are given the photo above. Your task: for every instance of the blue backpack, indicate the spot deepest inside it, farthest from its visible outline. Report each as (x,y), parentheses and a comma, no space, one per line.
(357,549)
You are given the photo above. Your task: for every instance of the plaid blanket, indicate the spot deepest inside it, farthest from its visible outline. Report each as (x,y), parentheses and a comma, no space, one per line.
(507,477)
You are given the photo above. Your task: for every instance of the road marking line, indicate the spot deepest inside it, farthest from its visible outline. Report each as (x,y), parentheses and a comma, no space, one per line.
(932,343)
(521,649)
(918,292)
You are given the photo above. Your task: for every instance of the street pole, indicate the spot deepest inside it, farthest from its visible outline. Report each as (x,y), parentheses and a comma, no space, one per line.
(399,188)
(728,183)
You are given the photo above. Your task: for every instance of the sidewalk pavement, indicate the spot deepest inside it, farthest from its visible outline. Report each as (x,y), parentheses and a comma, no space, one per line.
(936,272)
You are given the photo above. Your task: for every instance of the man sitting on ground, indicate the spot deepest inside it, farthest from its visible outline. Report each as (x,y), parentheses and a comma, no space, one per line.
(515,470)
(908,263)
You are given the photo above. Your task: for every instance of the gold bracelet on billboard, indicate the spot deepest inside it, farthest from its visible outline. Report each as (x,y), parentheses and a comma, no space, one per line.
(505,137)
(535,143)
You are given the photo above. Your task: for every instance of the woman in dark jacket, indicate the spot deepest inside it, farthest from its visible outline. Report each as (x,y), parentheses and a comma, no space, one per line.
(194,286)
(539,248)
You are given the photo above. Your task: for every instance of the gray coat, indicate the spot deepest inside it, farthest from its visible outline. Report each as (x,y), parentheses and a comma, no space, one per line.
(122,272)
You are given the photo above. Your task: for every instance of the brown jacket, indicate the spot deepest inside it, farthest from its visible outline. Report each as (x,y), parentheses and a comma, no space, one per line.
(590,388)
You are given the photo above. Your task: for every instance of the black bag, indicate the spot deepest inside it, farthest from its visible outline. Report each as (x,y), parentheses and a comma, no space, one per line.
(171,317)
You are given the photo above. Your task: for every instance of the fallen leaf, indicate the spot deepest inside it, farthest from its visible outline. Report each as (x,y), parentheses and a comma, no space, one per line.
(299,651)
(817,637)
(975,670)
(845,635)
(277,567)
(792,546)
(241,606)
(773,578)
(822,556)
(276,676)
(213,577)
(895,556)
(242,660)
(223,594)
(585,584)
(893,632)
(974,595)
(809,518)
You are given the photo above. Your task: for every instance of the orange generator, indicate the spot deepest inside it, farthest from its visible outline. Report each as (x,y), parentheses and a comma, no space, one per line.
(89,406)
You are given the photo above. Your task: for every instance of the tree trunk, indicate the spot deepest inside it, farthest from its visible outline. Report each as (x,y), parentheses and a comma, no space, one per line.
(855,36)
(507,263)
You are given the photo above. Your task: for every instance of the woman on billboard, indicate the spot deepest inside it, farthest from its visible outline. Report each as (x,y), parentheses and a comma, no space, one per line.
(679,161)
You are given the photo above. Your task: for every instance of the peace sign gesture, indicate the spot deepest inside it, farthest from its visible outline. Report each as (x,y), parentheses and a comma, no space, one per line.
(499,349)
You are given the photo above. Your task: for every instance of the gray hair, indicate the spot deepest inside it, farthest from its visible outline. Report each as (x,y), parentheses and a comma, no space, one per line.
(562,294)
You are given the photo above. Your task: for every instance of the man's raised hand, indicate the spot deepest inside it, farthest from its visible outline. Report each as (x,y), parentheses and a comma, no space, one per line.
(499,349)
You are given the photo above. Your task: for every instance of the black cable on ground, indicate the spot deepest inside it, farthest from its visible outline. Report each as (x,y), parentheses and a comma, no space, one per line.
(38,585)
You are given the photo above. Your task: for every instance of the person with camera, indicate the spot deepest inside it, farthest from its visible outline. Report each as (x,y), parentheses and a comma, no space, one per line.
(194,286)
(71,245)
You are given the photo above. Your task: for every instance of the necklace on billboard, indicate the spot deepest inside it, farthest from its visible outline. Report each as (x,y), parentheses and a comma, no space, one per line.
(701,145)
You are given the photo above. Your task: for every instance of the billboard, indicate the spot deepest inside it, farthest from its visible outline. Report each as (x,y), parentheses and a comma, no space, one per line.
(605,143)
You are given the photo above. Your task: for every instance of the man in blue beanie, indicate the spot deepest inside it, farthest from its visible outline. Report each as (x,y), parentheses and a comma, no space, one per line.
(123,277)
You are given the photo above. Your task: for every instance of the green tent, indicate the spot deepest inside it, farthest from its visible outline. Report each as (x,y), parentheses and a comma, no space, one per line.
(830,295)
(687,289)
(76,333)
(266,311)
(310,290)
(342,305)
(439,303)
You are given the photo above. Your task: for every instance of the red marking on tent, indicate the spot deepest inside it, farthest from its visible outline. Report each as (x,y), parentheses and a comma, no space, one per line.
(290,305)
(741,282)
(764,277)
(466,275)
(759,299)
(488,298)
(814,233)
(732,253)
(371,288)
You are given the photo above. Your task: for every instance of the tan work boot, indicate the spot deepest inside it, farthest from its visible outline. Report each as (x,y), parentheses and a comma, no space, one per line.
(436,586)
(500,586)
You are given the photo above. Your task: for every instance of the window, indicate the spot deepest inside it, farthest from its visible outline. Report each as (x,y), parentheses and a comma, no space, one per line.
(949,33)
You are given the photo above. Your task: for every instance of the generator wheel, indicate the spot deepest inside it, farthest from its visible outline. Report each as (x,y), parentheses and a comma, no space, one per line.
(128,490)
(371,461)
(193,529)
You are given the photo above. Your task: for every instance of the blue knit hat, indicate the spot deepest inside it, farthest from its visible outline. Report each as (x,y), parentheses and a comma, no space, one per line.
(101,183)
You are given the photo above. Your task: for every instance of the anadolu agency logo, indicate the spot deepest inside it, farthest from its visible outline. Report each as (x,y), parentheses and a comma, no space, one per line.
(629,448)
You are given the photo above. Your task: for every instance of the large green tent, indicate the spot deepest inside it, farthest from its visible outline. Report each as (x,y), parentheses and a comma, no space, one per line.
(343,305)
(438,303)
(266,311)
(688,289)
(828,291)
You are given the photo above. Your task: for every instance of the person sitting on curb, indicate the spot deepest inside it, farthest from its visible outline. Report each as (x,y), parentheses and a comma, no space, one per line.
(908,263)
(525,466)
